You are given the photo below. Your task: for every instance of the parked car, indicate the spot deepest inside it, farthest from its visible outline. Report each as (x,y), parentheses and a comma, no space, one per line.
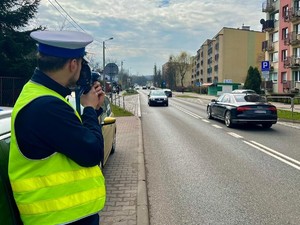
(157,97)
(239,91)
(109,128)
(9,212)
(168,92)
(242,108)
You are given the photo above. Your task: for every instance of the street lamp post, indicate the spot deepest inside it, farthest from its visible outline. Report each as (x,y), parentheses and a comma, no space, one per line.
(104,61)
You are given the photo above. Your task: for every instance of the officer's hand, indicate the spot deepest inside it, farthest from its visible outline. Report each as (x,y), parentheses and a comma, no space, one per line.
(94,98)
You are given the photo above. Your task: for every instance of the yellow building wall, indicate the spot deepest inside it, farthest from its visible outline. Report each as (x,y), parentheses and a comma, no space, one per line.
(240,50)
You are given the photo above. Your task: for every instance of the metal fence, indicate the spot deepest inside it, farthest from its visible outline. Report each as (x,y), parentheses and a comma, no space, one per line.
(291,101)
(10,88)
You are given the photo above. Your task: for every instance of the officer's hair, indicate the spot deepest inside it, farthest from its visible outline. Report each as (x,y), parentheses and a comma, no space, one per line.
(50,63)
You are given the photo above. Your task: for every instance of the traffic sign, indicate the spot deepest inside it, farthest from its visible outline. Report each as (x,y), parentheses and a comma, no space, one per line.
(111,69)
(265,74)
(265,66)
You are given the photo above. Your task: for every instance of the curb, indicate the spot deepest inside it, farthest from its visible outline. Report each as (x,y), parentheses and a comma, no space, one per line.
(142,197)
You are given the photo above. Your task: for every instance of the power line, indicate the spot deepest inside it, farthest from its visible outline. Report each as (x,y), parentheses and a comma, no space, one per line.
(67,16)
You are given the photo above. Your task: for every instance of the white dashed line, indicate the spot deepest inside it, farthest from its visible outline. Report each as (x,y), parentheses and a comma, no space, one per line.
(235,135)
(217,126)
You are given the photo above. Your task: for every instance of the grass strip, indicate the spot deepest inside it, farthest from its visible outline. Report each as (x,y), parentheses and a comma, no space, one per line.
(119,112)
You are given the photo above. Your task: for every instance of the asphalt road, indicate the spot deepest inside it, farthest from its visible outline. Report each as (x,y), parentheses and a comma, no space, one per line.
(201,172)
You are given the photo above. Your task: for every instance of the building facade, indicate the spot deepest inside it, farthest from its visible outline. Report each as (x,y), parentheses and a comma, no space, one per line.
(282,44)
(228,55)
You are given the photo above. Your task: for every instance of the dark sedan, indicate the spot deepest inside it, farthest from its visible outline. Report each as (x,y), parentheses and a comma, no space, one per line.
(168,92)
(242,108)
(157,97)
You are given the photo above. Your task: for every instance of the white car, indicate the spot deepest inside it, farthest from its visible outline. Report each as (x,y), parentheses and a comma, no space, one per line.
(9,213)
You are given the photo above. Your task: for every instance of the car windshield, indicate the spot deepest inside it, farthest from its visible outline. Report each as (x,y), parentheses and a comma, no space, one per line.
(249,98)
(157,93)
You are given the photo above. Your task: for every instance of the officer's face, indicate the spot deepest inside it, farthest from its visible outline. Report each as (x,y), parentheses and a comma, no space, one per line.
(75,65)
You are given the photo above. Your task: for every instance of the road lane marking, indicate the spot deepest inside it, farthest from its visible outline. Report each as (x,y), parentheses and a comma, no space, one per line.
(283,158)
(187,112)
(277,153)
(235,135)
(217,126)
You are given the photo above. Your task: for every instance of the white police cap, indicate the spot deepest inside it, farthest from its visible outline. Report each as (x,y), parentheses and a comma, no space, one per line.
(64,44)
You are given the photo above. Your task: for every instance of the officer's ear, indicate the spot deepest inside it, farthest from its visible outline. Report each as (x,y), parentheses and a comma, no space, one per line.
(73,64)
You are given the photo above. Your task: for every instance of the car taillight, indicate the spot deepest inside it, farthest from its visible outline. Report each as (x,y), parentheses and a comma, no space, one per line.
(243,108)
(272,108)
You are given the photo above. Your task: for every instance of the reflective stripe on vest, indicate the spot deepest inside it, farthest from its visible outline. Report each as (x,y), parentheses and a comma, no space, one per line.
(36,183)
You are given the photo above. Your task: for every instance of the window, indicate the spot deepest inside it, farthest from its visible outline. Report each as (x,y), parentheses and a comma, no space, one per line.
(296,5)
(274,16)
(285,32)
(283,55)
(285,11)
(296,76)
(283,77)
(296,52)
(273,77)
(297,28)
(226,98)
(274,37)
(274,57)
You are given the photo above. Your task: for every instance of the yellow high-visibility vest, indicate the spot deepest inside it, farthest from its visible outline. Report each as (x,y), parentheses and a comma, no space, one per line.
(54,190)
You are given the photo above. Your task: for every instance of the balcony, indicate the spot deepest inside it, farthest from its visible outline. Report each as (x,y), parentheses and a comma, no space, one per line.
(292,39)
(267,25)
(268,7)
(287,84)
(268,46)
(292,62)
(293,15)
(268,85)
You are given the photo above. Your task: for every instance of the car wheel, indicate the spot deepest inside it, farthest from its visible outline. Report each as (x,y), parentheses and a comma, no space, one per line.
(113,147)
(227,119)
(267,125)
(167,104)
(209,113)
(149,103)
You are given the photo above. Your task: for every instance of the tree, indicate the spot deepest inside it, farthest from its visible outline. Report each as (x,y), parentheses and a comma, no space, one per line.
(170,74)
(253,79)
(157,77)
(16,47)
(182,63)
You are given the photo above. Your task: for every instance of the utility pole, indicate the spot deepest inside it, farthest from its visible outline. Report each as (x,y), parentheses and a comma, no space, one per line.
(103,47)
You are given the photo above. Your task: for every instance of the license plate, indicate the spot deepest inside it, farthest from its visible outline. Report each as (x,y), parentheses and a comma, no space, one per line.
(159,101)
(260,111)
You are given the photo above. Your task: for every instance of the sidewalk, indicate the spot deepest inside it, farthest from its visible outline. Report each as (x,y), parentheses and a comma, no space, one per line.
(126,202)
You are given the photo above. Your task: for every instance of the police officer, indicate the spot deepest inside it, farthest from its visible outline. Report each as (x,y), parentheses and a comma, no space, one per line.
(54,151)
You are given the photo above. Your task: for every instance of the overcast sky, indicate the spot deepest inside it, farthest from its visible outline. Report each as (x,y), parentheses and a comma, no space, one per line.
(147,32)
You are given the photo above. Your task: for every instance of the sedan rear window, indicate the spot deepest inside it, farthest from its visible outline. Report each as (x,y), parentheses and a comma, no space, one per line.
(250,98)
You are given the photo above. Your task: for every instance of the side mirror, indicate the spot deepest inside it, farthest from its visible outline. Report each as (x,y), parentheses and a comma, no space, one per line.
(213,100)
(109,120)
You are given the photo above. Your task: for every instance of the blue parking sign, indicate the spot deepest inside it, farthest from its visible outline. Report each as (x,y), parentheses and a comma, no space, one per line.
(265,66)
